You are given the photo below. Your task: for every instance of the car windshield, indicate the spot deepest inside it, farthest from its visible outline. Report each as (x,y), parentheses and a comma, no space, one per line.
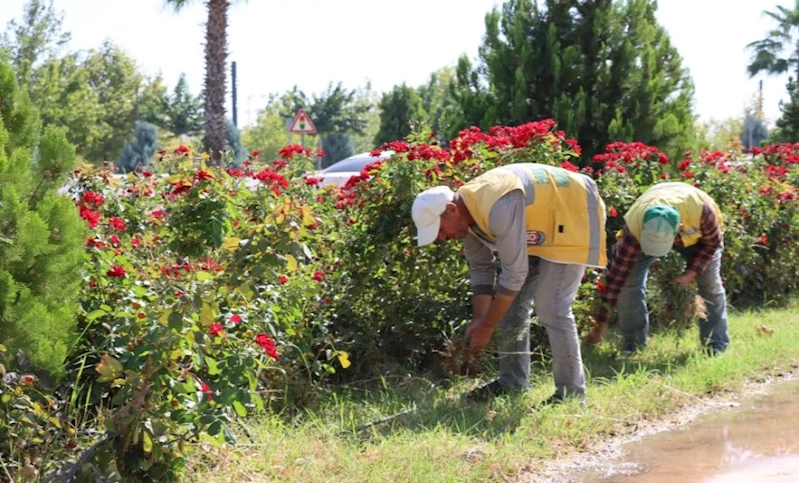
(353,164)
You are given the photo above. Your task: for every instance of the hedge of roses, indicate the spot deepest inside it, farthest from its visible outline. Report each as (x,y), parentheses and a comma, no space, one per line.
(211,294)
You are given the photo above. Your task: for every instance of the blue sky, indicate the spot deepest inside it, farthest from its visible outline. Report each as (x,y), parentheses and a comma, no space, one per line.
(279,43)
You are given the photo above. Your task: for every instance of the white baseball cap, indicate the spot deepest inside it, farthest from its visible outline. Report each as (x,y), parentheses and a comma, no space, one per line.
(427,209)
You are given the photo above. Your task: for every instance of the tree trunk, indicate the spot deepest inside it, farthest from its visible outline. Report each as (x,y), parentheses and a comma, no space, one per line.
(215,138)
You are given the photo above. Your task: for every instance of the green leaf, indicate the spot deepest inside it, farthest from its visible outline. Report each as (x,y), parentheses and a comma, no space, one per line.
(230,244)
(147,442)
(5,398)
(212,366)
(240,409)
(185,387)
(214,428)
(139,291)
(203,276)
(206,314)
(291,263)
(94,314)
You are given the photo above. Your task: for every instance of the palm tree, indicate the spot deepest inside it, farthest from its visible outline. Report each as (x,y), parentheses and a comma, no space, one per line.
(769,53)
(215,137)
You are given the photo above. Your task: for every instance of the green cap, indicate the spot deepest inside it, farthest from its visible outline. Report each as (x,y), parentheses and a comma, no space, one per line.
(661,223)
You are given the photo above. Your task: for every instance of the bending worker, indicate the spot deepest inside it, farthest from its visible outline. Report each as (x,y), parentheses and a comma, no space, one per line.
(546,225)
(667,215)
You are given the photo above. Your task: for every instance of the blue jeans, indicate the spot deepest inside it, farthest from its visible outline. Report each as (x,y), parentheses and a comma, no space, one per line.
(634,316)
(553,287)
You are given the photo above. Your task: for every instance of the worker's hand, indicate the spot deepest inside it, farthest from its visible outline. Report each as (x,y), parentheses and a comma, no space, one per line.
(478,335)
(597,332)
(686,278)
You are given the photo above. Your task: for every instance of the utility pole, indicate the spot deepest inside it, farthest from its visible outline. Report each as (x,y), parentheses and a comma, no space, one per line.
(233,90)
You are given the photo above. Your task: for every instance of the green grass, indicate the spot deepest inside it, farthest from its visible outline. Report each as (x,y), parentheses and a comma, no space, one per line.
(448,439)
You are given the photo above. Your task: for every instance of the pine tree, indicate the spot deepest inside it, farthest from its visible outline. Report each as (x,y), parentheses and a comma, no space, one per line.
(184,112)
(141,151)
(41,234)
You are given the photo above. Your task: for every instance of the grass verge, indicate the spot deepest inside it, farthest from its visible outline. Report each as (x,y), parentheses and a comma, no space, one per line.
(442,438)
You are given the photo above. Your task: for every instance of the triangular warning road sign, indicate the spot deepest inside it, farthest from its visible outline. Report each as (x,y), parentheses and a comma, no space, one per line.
(302,123)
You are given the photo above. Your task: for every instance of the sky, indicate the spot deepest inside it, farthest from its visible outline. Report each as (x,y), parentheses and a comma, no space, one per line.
(278,44)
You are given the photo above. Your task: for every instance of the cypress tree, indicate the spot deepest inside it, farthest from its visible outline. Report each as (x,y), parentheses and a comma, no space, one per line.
(603,69)
(41,234)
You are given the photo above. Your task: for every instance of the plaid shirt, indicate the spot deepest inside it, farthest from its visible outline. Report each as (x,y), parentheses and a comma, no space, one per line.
(626,253)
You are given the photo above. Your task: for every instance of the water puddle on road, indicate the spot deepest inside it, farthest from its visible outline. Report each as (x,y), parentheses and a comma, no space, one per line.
(757,441)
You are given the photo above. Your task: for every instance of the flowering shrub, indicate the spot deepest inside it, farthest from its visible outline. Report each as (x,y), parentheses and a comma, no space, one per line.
(212,294)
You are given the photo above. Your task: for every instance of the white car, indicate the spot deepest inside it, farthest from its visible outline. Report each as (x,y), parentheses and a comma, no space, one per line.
(339,173)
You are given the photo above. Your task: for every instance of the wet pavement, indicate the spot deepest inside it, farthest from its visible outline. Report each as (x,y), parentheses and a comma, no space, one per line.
(757,441)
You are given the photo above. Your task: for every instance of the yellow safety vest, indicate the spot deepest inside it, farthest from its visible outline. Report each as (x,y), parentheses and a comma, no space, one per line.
(689,202)
(565,215)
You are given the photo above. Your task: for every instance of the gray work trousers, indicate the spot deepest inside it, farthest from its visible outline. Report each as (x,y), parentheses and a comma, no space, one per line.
(553,287)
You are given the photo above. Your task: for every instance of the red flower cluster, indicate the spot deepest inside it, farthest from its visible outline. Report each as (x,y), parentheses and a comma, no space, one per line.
(215,329)
(174,270)
(92,199)
(117,223)
(785,153)
(117,271)
(182,150)
(396,146)
(288,152)
(268,345)
(629,152)
(569,166)
(203,175)
(273,179)
(179,187)
(87,207)
(318,275)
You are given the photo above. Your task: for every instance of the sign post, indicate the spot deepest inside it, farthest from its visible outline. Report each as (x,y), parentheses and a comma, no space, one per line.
(302,124)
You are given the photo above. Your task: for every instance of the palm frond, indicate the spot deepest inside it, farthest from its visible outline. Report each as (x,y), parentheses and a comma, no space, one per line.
(178,5)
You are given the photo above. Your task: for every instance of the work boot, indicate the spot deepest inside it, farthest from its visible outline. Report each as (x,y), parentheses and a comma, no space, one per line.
(487,392)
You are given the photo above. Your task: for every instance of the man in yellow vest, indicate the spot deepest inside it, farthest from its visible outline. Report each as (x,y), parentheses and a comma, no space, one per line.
(546,225)
(667,215)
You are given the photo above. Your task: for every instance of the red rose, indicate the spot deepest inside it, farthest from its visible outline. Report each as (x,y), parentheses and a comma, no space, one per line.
(117,223)
(216,329)
(268,345)
(318,275)
(236,319)
(283,279)
(613,212)
(116,271)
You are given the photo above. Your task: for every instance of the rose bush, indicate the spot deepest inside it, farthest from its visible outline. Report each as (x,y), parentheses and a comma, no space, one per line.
(212,294)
